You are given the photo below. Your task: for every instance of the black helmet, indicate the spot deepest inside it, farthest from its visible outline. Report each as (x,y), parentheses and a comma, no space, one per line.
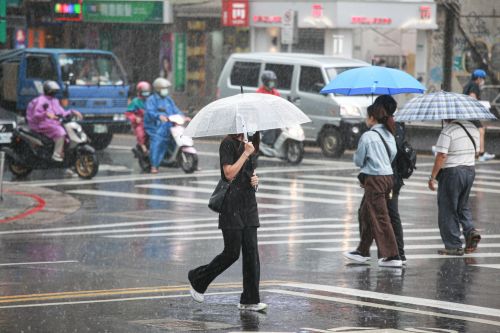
(268,76)
(51,87)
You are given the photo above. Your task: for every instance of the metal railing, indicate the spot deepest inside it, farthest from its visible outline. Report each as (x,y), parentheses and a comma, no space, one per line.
(2,160)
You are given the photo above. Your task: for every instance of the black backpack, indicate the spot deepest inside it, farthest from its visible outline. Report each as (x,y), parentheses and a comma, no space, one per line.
(406,158)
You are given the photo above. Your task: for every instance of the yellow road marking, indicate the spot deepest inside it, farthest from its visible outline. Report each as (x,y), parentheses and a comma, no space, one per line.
(113,292)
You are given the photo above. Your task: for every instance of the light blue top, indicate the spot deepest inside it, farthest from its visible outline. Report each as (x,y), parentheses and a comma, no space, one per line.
(155,107)
(371,155)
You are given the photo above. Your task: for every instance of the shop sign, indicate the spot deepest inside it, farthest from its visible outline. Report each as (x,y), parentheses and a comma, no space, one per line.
(267,19)
(123,11)
(317,10)
(289,29)
(235,13)
(371,20)
(180,62)
(68,10)
(425,12)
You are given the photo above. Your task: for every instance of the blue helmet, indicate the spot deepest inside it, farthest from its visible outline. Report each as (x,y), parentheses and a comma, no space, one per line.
(479,73)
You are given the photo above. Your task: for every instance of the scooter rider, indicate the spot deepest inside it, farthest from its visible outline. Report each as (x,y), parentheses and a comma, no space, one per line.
(135,113)
(42,114)
(268,79)
(159,107)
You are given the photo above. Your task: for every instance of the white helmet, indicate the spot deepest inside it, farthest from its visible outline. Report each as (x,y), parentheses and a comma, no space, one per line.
(161,83)
(51,87)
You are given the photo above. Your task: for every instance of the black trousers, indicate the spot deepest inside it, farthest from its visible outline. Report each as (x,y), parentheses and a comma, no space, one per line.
(392,206)
(235,240)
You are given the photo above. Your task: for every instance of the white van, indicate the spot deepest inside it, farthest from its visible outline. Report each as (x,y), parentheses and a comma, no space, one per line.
(337,121)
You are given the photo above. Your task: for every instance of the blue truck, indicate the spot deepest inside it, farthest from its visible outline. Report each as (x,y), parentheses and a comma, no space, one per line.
(93,82)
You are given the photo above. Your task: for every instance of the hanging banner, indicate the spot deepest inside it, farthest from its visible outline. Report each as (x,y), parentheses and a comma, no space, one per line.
(180,62)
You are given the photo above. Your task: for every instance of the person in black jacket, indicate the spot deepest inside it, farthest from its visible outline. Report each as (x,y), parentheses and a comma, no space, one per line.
(390,105)
(238,221)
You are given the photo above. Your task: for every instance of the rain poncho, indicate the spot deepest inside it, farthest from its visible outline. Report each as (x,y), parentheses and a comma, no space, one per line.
(39,122)
(158,131)
(135,111)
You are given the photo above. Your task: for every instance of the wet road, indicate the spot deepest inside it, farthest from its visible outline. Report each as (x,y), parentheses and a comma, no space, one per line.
(118,261)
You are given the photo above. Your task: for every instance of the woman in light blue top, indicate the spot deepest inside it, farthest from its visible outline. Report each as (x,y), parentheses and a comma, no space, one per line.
(375,153)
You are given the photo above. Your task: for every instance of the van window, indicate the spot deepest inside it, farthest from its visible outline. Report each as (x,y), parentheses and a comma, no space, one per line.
(40,67)
(245,74)
(284,74)
(311,79)
(332,72)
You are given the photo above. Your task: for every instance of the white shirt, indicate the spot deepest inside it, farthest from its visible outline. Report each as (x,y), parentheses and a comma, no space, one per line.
(454,142)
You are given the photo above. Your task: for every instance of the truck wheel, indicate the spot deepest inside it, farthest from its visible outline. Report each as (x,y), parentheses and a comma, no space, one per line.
(100,141)
(331,142)
(17,169)
(86,165)
(294,151)
(188,162)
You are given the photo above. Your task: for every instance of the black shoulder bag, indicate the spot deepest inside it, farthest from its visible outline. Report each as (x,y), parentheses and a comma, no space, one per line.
(217,198)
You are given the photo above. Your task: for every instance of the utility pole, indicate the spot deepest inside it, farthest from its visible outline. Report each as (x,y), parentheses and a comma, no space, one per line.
(450,8)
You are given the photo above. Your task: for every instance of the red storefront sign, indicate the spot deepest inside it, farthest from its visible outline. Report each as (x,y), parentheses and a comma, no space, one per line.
(425,12)
(371,20)
(235,13)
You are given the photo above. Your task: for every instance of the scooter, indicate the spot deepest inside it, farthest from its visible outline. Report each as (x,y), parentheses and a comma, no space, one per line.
(180,153)
(29,150)
(288,146)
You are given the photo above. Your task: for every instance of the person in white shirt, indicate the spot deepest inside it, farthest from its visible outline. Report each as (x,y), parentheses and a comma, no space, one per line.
(456,149)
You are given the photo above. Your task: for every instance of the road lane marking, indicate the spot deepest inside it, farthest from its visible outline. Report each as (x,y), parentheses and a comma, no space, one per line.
(114,194)
(495,266)
(440,256)
(38,263)
(292,197)
(419,301)
(382,306)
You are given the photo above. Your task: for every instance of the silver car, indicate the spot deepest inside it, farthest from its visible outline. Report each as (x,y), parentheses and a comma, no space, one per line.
(337,121)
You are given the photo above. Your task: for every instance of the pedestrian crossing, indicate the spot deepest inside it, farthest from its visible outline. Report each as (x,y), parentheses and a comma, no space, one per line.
(289,201)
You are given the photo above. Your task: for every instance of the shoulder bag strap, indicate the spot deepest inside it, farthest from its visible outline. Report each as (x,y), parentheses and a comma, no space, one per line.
(468,134)
(385,145)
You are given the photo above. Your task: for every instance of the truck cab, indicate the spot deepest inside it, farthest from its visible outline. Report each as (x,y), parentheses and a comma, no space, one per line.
(93,82)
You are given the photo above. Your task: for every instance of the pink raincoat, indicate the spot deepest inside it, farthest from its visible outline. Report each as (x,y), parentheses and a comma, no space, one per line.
(39,122)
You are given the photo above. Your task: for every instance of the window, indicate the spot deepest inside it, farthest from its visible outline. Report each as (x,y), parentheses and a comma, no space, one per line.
(332,72)
(245,74)
(90,69)
(311,79)
(40,67)
(284,74)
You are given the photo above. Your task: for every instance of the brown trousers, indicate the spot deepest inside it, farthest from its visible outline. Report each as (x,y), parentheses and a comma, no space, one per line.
(375,222)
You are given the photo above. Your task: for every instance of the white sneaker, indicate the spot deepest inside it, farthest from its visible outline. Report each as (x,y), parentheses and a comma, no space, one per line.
(253,307)
(486,157)
(386,262)
(356,256)
(57,157)
(197,297)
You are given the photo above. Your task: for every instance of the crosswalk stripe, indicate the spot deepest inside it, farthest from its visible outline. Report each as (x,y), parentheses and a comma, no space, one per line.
(495,266)
(289,189)
(407,183)
(46,232)
(407,247)
(334,184)
(115,194)
(440,256)
(259,194)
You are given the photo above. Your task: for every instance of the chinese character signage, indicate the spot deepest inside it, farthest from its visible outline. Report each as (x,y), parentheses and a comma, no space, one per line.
(123,11)
(235,13)
(180,62)
(68,10)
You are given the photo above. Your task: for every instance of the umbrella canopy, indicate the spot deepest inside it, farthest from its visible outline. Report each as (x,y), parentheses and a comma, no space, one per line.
(443,105)
(245,113)
(374,80)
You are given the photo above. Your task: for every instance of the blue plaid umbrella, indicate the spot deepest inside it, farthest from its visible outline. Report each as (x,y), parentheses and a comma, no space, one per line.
(374,80)
(443,105)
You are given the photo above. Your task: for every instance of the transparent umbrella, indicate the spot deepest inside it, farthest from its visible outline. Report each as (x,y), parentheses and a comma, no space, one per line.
(244,113)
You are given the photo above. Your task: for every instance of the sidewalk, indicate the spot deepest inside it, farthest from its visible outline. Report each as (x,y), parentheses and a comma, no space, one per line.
(30,204)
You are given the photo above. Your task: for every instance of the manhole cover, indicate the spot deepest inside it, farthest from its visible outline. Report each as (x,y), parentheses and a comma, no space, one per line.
(177,325)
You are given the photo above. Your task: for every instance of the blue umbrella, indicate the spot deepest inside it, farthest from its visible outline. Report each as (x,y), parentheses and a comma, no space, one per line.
(374,80)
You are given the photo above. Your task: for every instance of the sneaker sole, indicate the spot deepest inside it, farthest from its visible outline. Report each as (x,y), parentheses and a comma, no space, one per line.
(358,259)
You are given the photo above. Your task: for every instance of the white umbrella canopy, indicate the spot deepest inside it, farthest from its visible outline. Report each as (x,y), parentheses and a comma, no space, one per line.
(244,113)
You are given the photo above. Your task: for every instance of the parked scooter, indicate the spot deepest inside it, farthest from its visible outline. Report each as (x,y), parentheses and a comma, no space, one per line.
(29,150)
(180,153)
(288,146)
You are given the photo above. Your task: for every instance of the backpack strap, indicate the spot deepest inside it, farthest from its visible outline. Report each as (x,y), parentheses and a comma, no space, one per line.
(468,134)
